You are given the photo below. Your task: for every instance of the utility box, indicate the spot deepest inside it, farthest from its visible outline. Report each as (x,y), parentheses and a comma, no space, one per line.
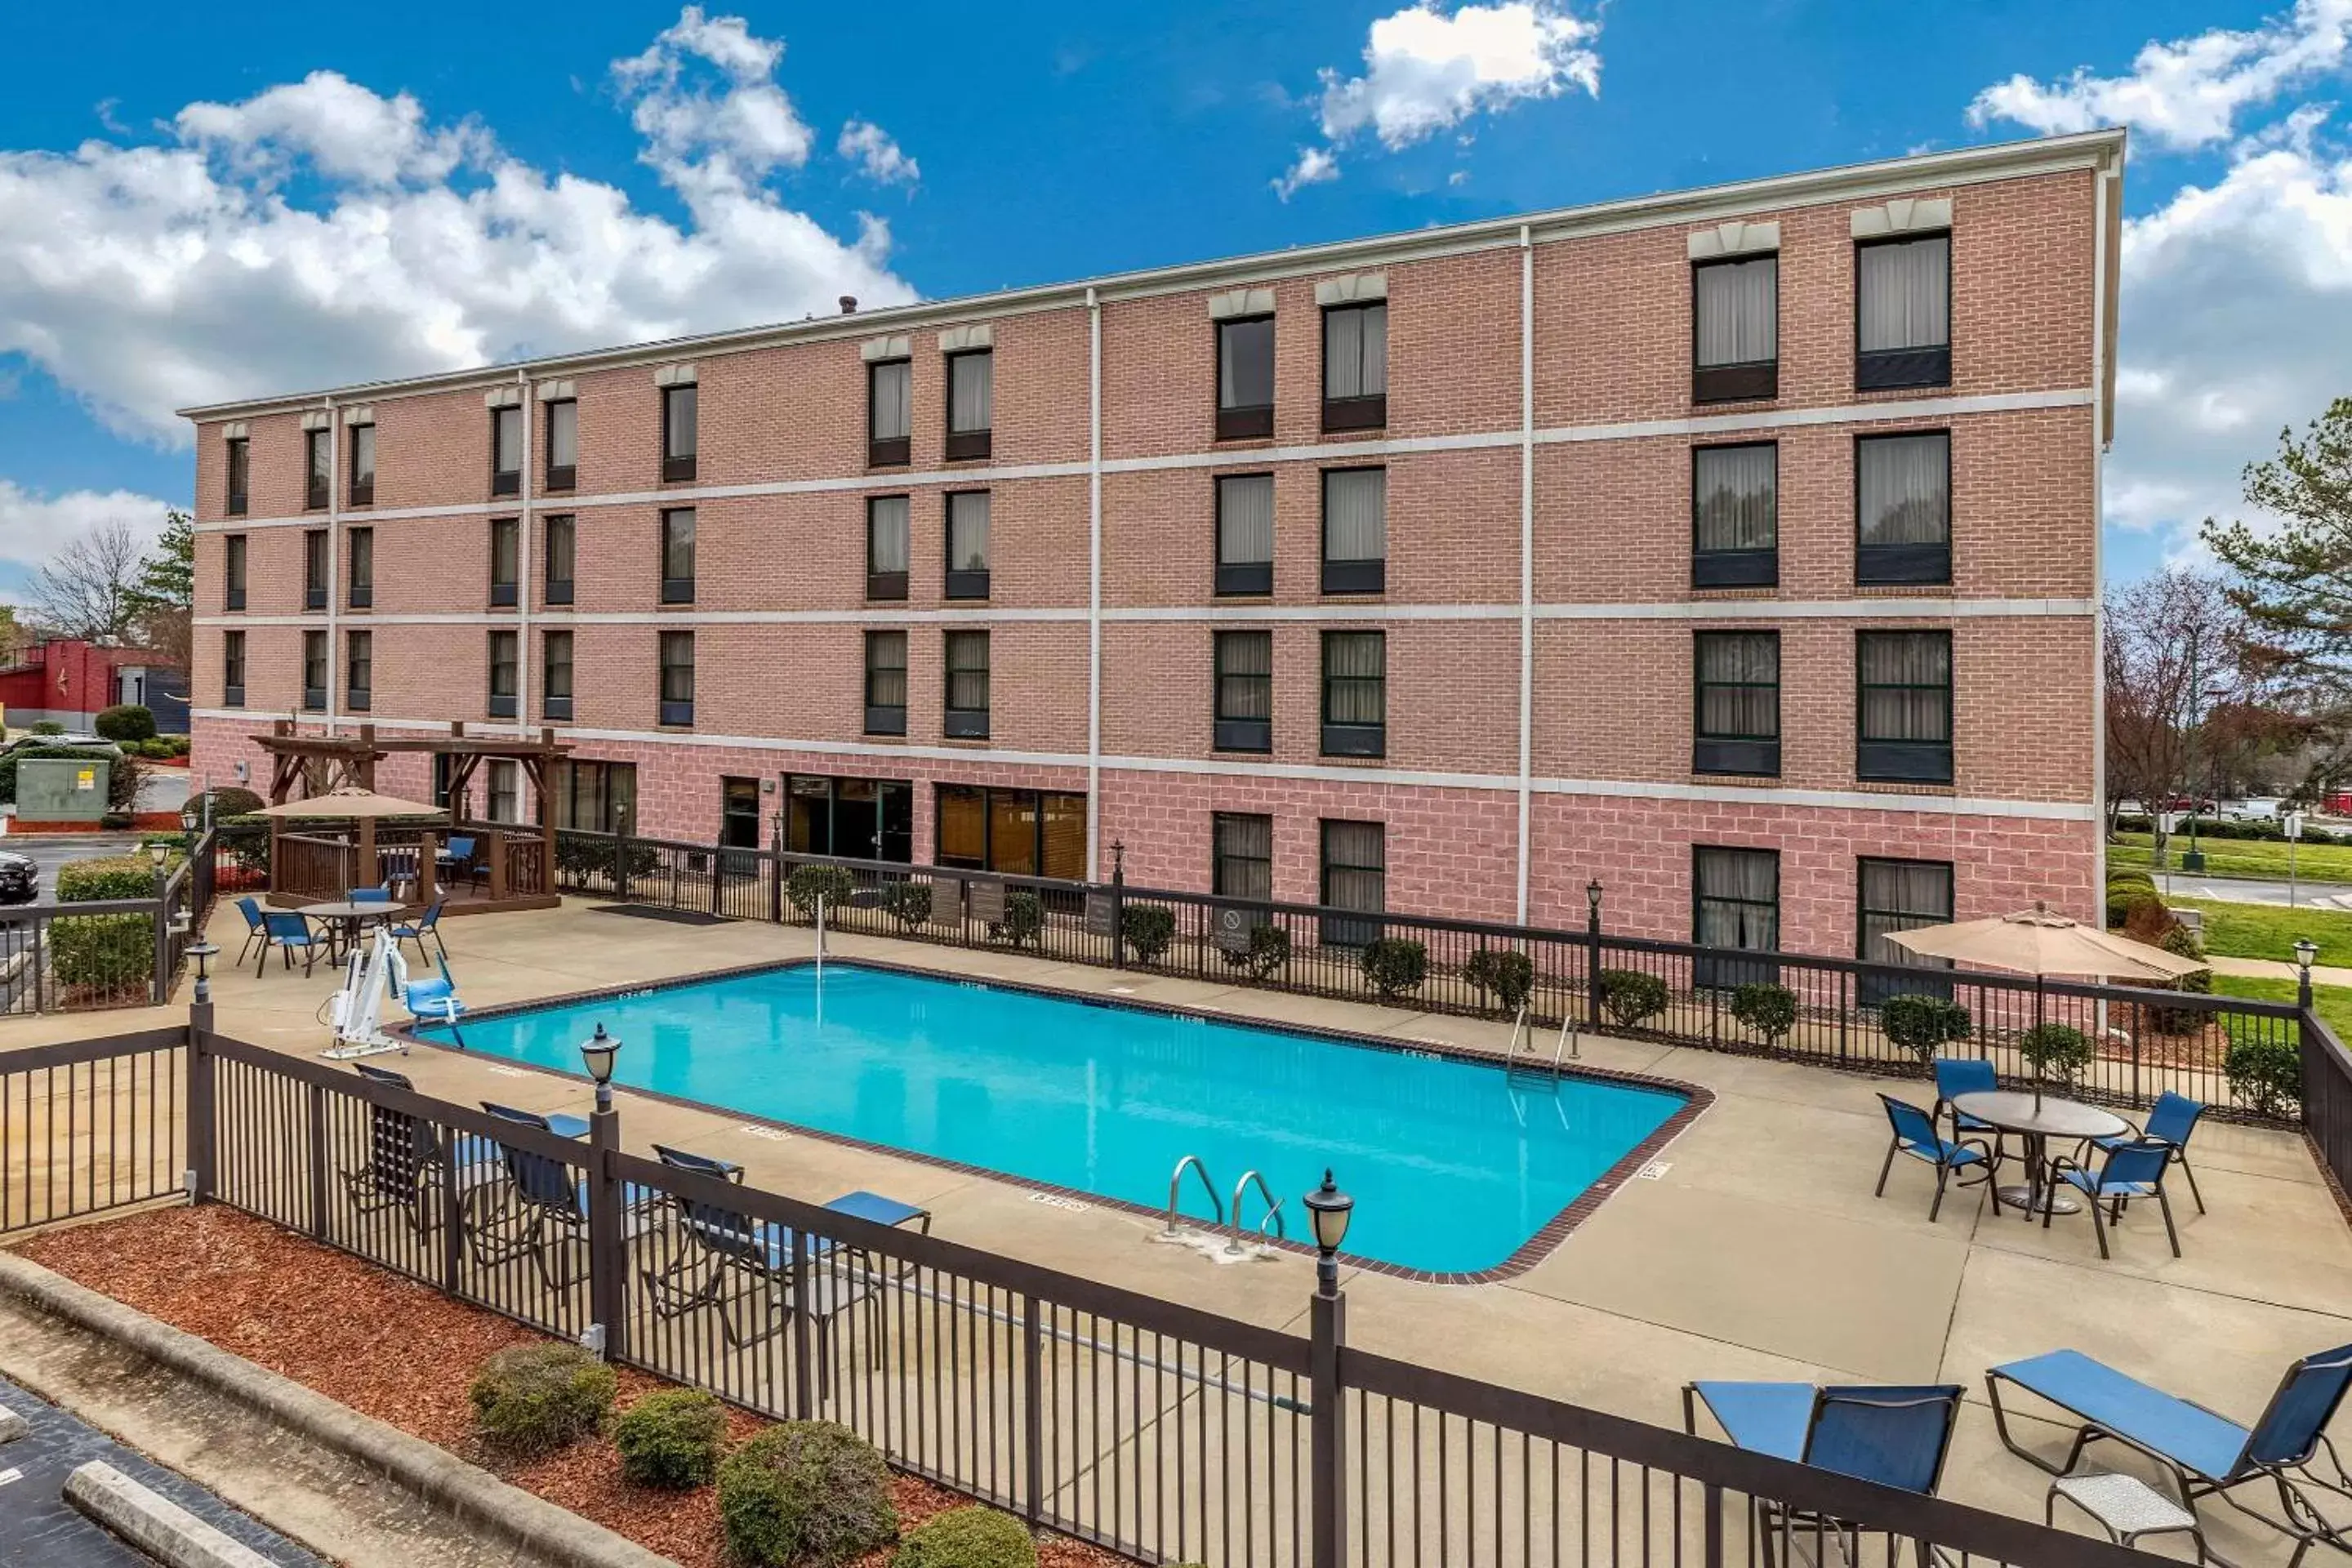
(62,789)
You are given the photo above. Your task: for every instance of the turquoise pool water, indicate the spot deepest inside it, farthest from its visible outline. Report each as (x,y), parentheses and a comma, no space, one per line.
(1453,1164)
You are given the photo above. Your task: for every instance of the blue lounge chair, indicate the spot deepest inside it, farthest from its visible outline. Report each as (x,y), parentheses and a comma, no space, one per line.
(290,933)
(549,1220)
(256,933)
(402,1173)
(2172,1119)
(2207,1454)
(2128,1171)
(429,924)
(1916,1135)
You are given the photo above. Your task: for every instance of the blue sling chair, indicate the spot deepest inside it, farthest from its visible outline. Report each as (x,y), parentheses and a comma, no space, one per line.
(547,1219)
(402,1173)
(2207,1454)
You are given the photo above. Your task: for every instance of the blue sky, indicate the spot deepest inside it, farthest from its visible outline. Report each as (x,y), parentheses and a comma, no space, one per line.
(190,209)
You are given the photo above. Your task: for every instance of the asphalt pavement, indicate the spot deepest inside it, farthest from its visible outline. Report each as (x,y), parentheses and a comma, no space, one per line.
(53,850)
(2251,891)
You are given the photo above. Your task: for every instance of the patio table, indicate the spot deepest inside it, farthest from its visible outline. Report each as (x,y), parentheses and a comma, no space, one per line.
(344,920)
(2038,1118)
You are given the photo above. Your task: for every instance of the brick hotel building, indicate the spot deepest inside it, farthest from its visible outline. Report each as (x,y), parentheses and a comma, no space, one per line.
(1737,548)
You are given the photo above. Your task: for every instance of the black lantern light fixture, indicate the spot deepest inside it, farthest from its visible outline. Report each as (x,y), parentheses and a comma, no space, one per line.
(204,952)
(598,1051)
(1327,1209)
(1592,896)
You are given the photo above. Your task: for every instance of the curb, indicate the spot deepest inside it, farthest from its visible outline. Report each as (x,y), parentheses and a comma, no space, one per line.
(155,1525)
(468,1492)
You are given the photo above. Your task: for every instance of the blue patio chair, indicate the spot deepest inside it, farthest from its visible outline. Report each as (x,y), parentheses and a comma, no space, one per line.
(380,894)
(2172,1119)
(1916,1135)
(256,934)
(403,1169)
(428,924)
(1896,1436)
(457,857)
(290,932)
(2128,1171)
(2207,1454)
(549,1219)
(1957,1075)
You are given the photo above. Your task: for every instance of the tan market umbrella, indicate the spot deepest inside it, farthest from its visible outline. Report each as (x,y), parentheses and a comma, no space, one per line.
(2038,943)
(347,804)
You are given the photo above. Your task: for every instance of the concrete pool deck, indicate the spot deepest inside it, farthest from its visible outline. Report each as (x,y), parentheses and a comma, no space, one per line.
(1753,1249)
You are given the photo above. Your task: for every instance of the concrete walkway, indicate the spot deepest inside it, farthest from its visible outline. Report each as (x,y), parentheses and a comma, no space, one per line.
(2279,969)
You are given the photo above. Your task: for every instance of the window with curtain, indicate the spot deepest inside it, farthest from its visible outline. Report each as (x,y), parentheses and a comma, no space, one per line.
(885,683)
(1736,332)
(314,669)
(1905,706)
(677,528)
(362,481)
(1900,895)
(967,685)
(506,451)
(681,413)
(560,544)
(555,675)
(971,403)
(232,669)
(1735,903)
(562,443)
(358,671)
(889,412)
(505,794)
(1241,856)
(232,567)
(1245,533)
(1902,502)
(1355,531)
(1355,694)
(1355,876)
(504,674)
(590,797)
(1736,709)
(967,545)
(887,527)
(677,677)
(314,569)
(1903,312)
(1245,378)
(963,836)
(319,466)
(1244,696)
(1356,366)
(506,559)
(1736,516)
(239,476)
(359,585)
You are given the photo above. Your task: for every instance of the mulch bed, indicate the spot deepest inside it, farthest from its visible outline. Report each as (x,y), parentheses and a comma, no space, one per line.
(403,1353)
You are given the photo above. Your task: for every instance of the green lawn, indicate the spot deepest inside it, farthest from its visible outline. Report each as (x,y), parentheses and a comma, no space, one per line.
(2270,930)
(2333,1003)
(2256,857)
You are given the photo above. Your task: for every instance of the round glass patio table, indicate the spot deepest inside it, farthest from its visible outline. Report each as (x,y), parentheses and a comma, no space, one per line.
(2038,1118)
(346,920)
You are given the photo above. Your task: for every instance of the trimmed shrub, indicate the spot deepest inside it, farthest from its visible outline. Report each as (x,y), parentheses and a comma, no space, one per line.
(1508,976)
(1025,917)
(971,1537)
(805,1492)
(807,884)
(2146,919)
(909,903)
(1923,1024)
(48,727)
(2269,829)
(227,801)
(2058,1051)
(104,952)
(671,1439)
(2265,1073)
(1771,1010)
(2181,942)
(2123,887)
(124,722)
(579,856)
(1630,995)
(534,1398)
(1268,951)
(1395,965)
(1149,930)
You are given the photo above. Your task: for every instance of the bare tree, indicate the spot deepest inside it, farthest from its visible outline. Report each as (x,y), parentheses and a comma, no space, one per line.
(91,589)
(2175,658)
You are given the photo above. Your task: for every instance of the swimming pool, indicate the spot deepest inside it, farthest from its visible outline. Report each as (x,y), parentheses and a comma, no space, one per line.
(1455,1165)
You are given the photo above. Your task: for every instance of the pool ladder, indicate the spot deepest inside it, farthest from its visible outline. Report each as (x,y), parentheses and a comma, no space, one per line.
(1234,1244)
(1567,1048)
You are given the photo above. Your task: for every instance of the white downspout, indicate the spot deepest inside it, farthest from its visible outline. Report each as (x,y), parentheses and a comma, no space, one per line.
(2108,179)
(1094,583)
(523,528)
(1526,550)
(334,563)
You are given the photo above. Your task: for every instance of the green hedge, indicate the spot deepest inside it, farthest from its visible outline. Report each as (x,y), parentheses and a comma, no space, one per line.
(1631,995)
(807,884)
(124,722)
(1509,976)
(533,1398)
(1923,1024)
(104,952)
(1395,965)
(1149,930)
(671,1439)
(806,1492)
(2235,827)
(1771,1010)
(969,1536)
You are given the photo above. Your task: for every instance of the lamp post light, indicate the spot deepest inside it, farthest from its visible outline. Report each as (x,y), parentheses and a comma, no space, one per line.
(1327,1209)
(598,1051)
(1592,896)
(204,952)
(2305,951)
(158,852)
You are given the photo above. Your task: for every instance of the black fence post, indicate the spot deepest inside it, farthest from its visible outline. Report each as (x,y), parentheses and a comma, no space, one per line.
(1592,955)
(803,1374)
(621,863)
(318,1163)
(1118,904)
(1033,1413)
(456,1215)
(776,873)
(606,1251)
(160,983)
(202,1145)
(1328,1433)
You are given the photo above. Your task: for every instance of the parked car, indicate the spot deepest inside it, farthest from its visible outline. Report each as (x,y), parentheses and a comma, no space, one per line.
(20,878)
(2254,808)
(88,742)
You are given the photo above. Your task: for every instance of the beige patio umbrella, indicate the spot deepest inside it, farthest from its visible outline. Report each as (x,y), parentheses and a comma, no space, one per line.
(348,805)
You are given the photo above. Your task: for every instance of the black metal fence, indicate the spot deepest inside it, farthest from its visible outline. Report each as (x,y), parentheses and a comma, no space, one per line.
(1163,1431)
(2141,1041)
(110,952)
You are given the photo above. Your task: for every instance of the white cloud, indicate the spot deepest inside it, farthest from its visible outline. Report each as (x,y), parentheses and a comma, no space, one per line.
(2189,92)
(192,269)
(34,527)
(871,148)
(1427,71)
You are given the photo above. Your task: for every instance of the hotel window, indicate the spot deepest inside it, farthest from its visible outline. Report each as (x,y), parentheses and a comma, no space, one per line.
(1355,694)
(506,451)
(863,819)
(1901,895)
(1736,330)
(555,675)
(1735,903)
(885,683)
(677,555)
(967,686)
(359,585)
(971,403)
(1356,366)
(1241,856)
(318,468)
(1015,832)
(232,669)
(240,474)
(1903,705)
(1903,508)
(504,673)
(1244,533)
(233,560)
(1245,378)
(887,524)
(505,790)
(314,569)
(1737,703)
(562,540)
(1902,313)
(1355,531)
(1355,878)
(362,482)
(314,670)
(680,440)
(1244,697)
(443,770)
(562,444)
(967,545)
(739,821)
(1736,516)
(358,671)
(889,413)
(505,562)
(677,677)
(594,797)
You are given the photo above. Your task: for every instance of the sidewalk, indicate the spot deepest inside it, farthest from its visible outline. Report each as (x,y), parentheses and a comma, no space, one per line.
(2279,969)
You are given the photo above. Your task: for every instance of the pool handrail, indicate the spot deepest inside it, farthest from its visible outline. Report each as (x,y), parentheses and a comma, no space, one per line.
(1176,1188)
(1273,1210)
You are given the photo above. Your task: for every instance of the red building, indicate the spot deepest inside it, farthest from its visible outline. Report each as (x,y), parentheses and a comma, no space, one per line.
(66,681)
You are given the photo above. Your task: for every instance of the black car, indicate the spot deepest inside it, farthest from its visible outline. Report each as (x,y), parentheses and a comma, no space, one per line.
(20,878)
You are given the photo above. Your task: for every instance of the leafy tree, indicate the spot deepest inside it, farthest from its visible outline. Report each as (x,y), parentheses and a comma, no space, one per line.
(2174,656)
(165,592)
